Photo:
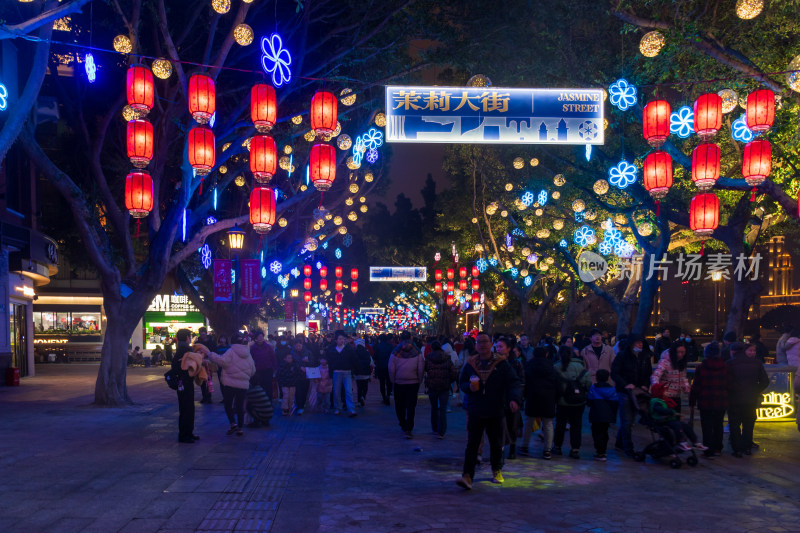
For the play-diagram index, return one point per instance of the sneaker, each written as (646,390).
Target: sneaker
(409,435)
(685,446)
(232,430)
(575,454)
(523,450)
(600,457)
(701,446)
(556,450)
(547,455)
(497,477)
(465,482)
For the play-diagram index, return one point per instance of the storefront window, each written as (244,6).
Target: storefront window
(80,322)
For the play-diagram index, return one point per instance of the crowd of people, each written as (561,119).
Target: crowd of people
(509,388)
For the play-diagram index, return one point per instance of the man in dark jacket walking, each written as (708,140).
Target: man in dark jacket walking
(382,353)
(747,378)
(630,370)
(490,384)
(266,363)
(342,361)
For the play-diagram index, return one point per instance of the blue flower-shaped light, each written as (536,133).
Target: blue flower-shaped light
(91,68)
(622,175)
(563,243)
(493,261)
(606,247)
(518,232)
(205,256)
(358,150)
(527,281)
(347,240)
(263,272)
(624,249)
(622,94)
(275,267)
(283,281)
(527,199)
(338,253)
(681,122)
(295,273)
(325,245)
(276,60)
(584,236)
(739,130)
(613,235)
(372,155)
(373,139)
(482,265)
(210,220)
(514,272)
(542,198)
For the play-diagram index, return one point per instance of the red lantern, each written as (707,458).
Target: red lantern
(354,287)
(322,166)
(338,272)
(658,174)
(708,115)
(655,122)
(338,298)
(338,285)
(263,107)
(704,214)
(140,142)
(451,286)
(202,98)
(323,272)
(353,273)
(760,111)
(476,297)
(475,284)
(451,273)
(139,193)
(307,271)
(262,209)
(705,165)
(462,285)
(450,299)
(263,158)
(437,287)
(475,271)
(307,296)
(202,154)
(462,272)
(756,162)
(140,89)
(437,274)
(307,283)
(323,284)
(323,113)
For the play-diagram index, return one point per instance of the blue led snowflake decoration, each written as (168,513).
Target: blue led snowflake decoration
(493,261)
(518,232)
(606,247)
(347,240)
(580,216)
(325,245)
(276,60)
(372,155)
(514,272)
(338,253)
(681,122)
(584,236)
(613,236)
(739,130)
(91,68)
(482,265)
(624,249)
(318,265)
(205,256)
(295,272)
(275,267)
(210,220)
(622,175)
(622,94)
(527,199)
(373,139)
(233,276)
(563,243)
(542,198)
(284,282)
(263,272)
(527,281)
(358,151)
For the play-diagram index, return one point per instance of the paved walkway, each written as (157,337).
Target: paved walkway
(66,466)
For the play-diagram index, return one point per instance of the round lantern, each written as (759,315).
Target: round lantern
(338,298)
(201,150)
(140,142)
(450,299)
(708,115)
(475,271)
(354,273)
(323,113)
(475,284)
(323,272)
(655,122)
(263,107)
(263,158)
(307,296)
(322,166)
(437,287)
(658,174)
(354,287)
(140,89)
(307,283)
(338,272)
(704,214)
(756,162)
(451,273)
(451,286)
(476,297)
(760,110)
(462,272)
(338,285)
(323,284)
(705,165)
(462,285)
(262,209)
(202,98)
(139,193)
(437,274)
(307,271)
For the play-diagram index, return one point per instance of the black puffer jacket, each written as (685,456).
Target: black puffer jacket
(629,368)
(439,371)
(747,378)
(541,388)
(495,393)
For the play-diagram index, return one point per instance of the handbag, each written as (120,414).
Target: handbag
(172,378)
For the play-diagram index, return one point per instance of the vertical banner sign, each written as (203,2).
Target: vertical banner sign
(250,281)
(288,311)
(301,312)
(223,288)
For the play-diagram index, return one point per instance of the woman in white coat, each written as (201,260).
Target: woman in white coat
(237,369)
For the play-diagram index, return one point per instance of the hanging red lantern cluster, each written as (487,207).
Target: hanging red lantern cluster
(338,285)
(322,166)
(462,285)
(140,89)
(704,214)
(307,296)
(339,298)
(437,287)
(760,112)
(475,284)
(323,113)
(462,272)
(323,284)
(140,142)
(476,297)
(451,273)
(338,272)
(307,271)
(658,174)
(705,165)
(262,209)
(354,274)
(756,162)
(307,283)
(263,158)
(202,98)
(202,153)
(708,115)
(437,274)
(450,299)
(655,122)
(354,287)
(139,193)
(475,271)
(323,272)
(263,107)
(451,286)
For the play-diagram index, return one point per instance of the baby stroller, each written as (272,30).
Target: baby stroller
(664,440)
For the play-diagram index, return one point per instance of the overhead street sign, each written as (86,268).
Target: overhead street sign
(398,274)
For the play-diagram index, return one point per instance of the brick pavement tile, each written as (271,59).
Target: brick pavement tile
(142,525)
(214,484)
(224,524)
(253,524)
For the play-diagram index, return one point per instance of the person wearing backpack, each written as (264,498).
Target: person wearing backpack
(439,373)
(574,390)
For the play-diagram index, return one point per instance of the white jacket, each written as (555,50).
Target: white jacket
(237,366)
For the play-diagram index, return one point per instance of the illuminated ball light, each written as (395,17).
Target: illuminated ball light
(262,209)
(705,165)
(600,187)
(543,233)
(578,205)
(263,107)
(323,113)
(344,142)
(707,115)
(263,158)
(656,122)
(282,222)
(140,142)
(311,244)
(793,76)
(363,208)
(221,6)
(518,163)
(760,111)
(323,166)
(658,174)
(139,193)
(239,181)
(749,9)
(285,163)
(704,214)
(128,113)
(201,150)
(243,35)
(756,162)
(559,180)
(380,120)
(729,100)
(534,162)
(123,44)
(347,97)
(556,195)
(651,44)
(162,68)
(558,224)
(479,80)
(140,90)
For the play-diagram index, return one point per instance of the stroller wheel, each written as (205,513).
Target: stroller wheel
(639,456)
(691,461)
(675,463)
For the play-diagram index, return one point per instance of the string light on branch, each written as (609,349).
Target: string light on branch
(221,6)
(651,43)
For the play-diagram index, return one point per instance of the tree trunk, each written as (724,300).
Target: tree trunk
(111,389)
(488,320)
(528,319)
(647,297)
(574,310)
(745,293)
(624,313)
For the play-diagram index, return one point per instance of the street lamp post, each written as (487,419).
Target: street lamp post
(235,243)
(716,277)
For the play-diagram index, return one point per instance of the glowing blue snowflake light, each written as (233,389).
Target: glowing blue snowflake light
(91,68)
(318,265)
(373,139)
(518,232)
(527,199)
(338,253)
(276,60)
(347,240)
(514,272)
(542,198)
(624,249)
(295,272)
(482,265)
(584,236)
(205,256)
(263,272)
(493,261)
(283,281)
(681,122)
(739,130)
(275,267)
(563,243)
(233,276)
(580,216)
(372,155)
(622,94)
(606,247)
(622,175)
(358,150)
(325,245)
(210,220)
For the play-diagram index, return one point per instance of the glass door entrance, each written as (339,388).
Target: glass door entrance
(19,338)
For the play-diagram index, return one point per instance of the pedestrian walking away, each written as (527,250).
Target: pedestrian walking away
(406,369)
